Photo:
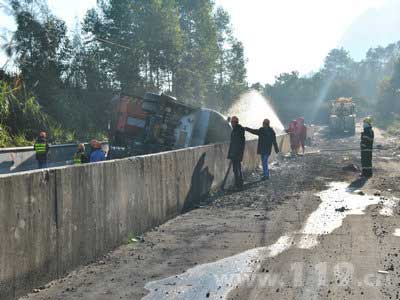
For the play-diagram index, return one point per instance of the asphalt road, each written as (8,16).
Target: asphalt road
(314,231)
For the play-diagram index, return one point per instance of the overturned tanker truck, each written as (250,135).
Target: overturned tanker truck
(158,122)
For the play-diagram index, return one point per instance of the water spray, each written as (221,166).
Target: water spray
(252,108)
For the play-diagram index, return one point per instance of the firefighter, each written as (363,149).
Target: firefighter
(301,133)
(42,149)
(293,139)
(367,144)
(80,156)
(236,150)
(266,139)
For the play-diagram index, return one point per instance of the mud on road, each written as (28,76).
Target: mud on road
(301,235)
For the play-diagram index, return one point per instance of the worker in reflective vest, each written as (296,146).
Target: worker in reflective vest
(80,156)
(41,149)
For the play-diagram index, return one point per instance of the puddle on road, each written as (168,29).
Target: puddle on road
(336,203)
(212,280)
(397,232)
(387,158)
(216,280)
(388,207)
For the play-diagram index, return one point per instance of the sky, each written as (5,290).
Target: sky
(278,35)
(285,35)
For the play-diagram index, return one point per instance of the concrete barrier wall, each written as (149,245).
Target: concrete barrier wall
(19,159)
(54,220)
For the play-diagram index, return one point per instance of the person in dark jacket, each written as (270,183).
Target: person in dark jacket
(367,144)
(41,147)
(80,156)
(266,139)
(236,150)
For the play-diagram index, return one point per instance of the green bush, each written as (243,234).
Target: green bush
(21,141)
(5,139)
(21,116)
(391,125)
(60,135)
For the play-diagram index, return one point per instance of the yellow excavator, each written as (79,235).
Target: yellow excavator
(342,117)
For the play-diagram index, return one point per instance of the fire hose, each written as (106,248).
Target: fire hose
(226,176)
(355,149)
(222,188)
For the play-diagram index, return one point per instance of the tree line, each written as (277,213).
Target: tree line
(65,77)
(374,84)
(185,48)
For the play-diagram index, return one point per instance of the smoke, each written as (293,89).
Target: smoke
(252,108)
(322,96)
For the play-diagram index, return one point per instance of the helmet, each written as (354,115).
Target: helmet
(300,120)
(368,120)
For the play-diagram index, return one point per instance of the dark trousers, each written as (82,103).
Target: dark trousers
(366,162)
(42,164)
(237,171)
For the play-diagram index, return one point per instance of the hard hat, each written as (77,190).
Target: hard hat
(368,120)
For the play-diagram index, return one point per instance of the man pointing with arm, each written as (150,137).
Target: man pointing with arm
(266,139)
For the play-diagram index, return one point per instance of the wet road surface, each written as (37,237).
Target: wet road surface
(313,231)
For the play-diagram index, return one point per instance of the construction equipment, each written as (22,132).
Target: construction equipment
(158,122)
(342,118)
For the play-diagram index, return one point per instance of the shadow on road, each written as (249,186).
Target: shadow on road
(358,183)
(233,190)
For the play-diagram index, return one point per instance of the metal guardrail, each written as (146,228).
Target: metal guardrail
(20,159)
(30,148)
